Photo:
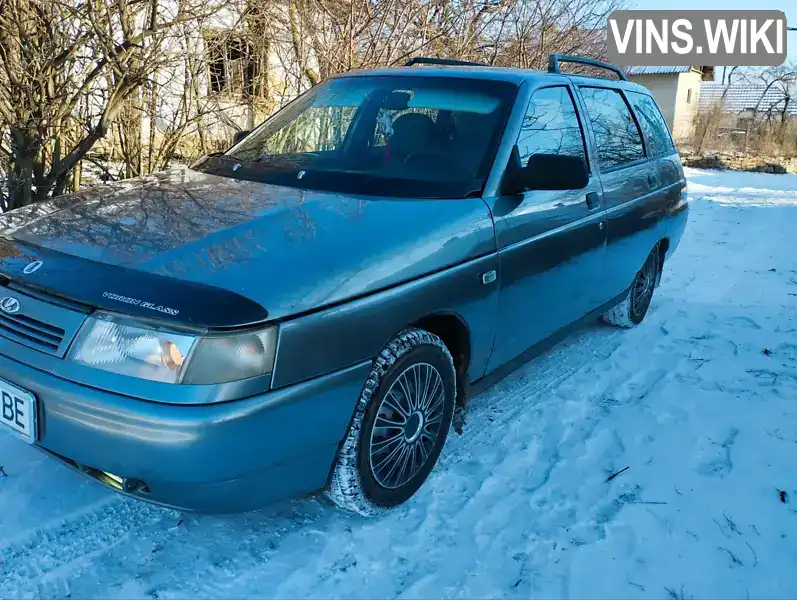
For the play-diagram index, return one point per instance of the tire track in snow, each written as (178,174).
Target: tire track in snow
(222,551)
(547,371)
(59,549)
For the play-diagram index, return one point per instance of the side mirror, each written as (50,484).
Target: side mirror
(239,135)
(555,172)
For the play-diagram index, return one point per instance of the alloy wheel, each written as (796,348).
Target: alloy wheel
(407,425)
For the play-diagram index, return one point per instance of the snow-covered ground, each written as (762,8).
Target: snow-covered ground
(699,404)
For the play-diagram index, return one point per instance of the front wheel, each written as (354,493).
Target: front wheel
(399,427)
(634,307)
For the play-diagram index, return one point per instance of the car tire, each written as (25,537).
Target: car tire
(399,426)
(632,310)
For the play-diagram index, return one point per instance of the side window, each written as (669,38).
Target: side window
(616,134)
(657,134)
(551,126)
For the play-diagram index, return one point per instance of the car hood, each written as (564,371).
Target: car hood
(206,250)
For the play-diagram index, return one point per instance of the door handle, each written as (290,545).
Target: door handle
(651,180)
(593,200)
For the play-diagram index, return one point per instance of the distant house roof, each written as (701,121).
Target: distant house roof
(657,70)
(707,73)
(742,97)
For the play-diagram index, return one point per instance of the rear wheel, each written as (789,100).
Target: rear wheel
(632,310)
(399,427)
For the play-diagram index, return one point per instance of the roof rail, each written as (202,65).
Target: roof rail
(555,59)
(424,60)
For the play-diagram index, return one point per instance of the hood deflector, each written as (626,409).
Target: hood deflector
(126,290)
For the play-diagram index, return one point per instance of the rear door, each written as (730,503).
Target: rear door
(660,148)
(550,243)
(631,187)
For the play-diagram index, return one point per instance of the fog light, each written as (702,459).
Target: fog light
(131,485)
(111,479)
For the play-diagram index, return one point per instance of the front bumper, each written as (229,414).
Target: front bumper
(216,458)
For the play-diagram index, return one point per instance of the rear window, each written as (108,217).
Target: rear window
(657,134)
(617,136)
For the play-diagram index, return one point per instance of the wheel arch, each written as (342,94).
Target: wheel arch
(346,486)
(664,247)
(456,335)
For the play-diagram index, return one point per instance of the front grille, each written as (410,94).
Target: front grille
(30,331)
(36,321)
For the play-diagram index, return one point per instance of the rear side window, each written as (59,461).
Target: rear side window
(616,133)
(551,126)
(657,134)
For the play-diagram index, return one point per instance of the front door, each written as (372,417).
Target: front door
(550,243)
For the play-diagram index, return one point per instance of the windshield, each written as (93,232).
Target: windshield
(394,136)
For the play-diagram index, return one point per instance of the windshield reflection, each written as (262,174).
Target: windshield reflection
(392,136)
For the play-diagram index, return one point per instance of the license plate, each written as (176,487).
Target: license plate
(18,410)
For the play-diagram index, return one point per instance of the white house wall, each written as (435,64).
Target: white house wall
(686,104)
(664,89)
(223,113)
(672,94)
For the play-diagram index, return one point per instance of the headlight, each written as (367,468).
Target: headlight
(233,357)
(117,345)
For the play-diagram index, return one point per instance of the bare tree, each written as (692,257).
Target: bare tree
(148,80)
(331,36)
(68,70)
(763,124)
